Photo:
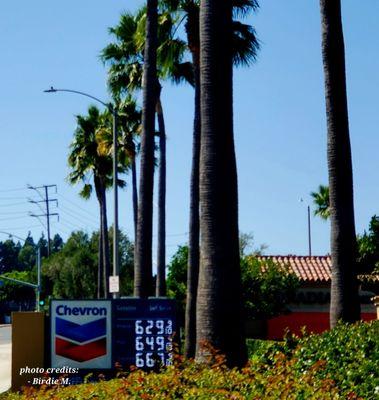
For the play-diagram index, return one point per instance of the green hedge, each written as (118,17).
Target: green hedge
(340,364)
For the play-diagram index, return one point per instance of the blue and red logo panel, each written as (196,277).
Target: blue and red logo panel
(81,333)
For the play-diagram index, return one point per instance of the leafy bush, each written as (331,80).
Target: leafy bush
(340,364)
(266,287)
(349,353)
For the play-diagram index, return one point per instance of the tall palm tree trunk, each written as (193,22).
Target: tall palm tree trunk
(161,249)
(143,254)
(105,239)
(344,304)
(135,196)
(219,306)
(100,265)
(100,268)
(194,221)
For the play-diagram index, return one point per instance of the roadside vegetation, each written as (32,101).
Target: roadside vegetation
(340,364)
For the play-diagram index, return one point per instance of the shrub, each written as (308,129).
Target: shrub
(340,364)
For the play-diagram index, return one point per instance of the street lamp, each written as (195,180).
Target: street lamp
(112,110)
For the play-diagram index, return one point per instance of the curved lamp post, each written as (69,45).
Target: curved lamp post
(113,111)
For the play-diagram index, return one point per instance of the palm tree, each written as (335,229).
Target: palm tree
(219,306)
(321,201)
(245,47)
(130,123)
(143,259)
(344,304)
(127,58)
(86,161)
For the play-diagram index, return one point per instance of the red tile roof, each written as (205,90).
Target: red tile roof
(306,268)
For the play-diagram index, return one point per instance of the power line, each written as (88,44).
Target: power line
(76,205)
(21,227)
(14,212)
(70,225)
(69,210)
(12,204)
(78,219)
(12,218)
(12,190)
(12,198)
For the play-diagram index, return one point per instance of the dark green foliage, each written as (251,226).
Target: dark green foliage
(57,243)
(15,292)
(321,202)
(266,288)
(9,251)
(73,270)
(177,276)
(341,364)
(350,354)
(126,262)
(368,248)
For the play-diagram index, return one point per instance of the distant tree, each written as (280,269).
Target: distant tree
(368,248)
(73,270)
(42,245)
(126,262)
(27,257)
(266,287)
(57,243)
(9,252)
(177,277)
(15,292)
(247,245)
(321,202)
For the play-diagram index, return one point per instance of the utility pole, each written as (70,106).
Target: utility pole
(309,232)
(46,214)
(309,228)
(38,290)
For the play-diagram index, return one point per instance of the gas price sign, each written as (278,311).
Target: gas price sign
(143,331)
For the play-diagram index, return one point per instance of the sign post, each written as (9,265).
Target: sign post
(114,284)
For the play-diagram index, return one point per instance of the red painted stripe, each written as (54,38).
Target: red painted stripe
(316,322)
(80,353)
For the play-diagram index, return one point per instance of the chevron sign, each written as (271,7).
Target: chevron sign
(81,333)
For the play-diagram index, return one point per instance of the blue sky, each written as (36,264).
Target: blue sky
(280,127)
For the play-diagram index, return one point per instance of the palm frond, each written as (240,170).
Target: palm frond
(241,8)
(245,44)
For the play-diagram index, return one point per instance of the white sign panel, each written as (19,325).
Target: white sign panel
(81,333)
(114,284)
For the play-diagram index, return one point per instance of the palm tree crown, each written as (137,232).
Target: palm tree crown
(321,201)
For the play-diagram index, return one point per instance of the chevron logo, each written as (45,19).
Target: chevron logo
(80,353)
(80,333)
(76,342)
